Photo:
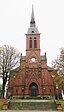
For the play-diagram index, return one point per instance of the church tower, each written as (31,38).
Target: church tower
(32,40)
(33,77)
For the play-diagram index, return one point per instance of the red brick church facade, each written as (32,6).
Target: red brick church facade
(33,77)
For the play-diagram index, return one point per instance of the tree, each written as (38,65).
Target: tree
(9,59)
(58,64)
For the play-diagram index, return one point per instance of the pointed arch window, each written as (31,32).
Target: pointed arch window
(35,42)
(30,43)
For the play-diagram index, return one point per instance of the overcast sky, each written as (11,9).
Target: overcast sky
(15,18)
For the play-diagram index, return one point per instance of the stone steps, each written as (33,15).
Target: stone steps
(32,105)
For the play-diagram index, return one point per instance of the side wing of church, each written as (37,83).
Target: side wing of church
(33,77)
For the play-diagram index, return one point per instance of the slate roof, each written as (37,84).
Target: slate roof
(15,70)
(43,58)
(24,58)
(32,30)
(50,68)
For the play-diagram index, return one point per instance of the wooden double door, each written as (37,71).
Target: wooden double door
(33,89)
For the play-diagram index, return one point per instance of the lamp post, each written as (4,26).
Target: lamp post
(44,89)
(63,84)
(63,81)
(23,91)
(57,91)
(63,87)
(63,90)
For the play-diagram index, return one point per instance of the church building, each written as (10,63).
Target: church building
(33,78)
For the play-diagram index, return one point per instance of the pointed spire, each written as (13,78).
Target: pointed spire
(32,16)
(32,22)
(32,29)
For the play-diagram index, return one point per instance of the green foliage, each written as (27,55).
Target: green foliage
(62,104)
(1,105)
(58,64)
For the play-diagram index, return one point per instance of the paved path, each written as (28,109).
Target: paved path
(25,111)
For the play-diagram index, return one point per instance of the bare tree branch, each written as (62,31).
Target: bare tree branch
(9,59)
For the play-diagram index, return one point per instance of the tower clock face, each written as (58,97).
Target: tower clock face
(33,60)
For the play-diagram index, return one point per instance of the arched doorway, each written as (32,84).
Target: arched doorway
(33,89)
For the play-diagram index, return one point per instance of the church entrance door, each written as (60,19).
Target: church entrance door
(33,89)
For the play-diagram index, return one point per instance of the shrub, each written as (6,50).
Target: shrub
(62,104)
(1,105)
